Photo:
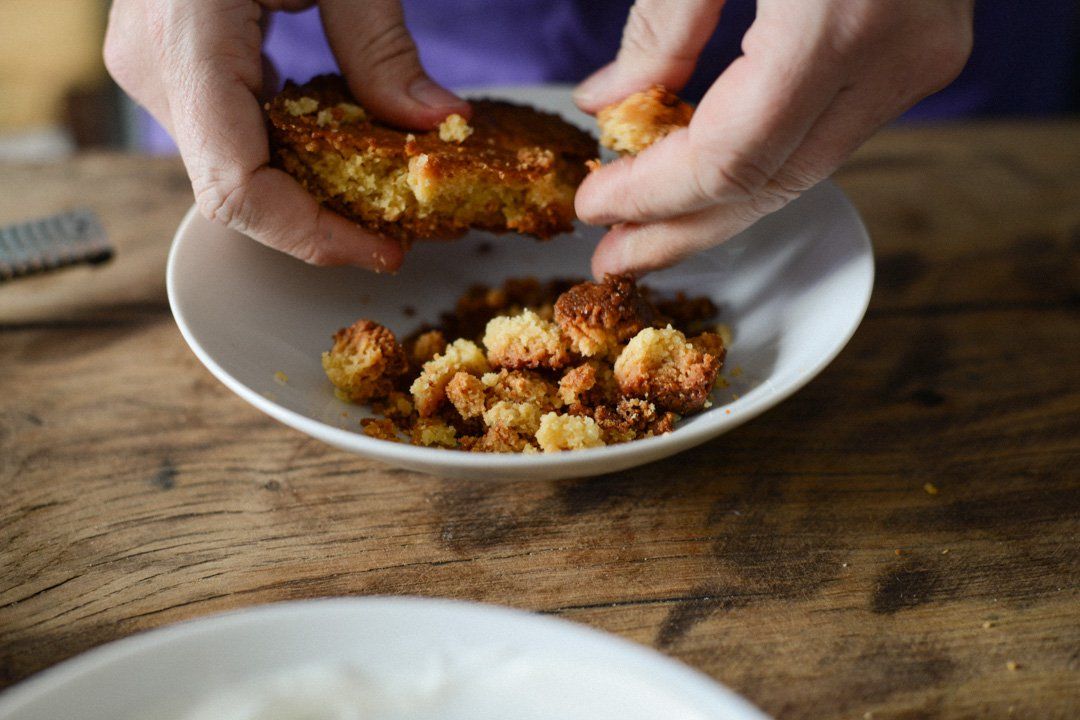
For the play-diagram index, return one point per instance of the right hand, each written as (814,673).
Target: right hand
(816,79)
(198,69)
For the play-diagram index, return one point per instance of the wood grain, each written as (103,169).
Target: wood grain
(798,559)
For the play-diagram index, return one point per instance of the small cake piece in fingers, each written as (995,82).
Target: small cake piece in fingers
(641,119)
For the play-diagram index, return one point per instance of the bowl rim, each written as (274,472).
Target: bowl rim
(265,617)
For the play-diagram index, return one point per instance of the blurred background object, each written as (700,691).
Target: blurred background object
(70,238)
(56,95)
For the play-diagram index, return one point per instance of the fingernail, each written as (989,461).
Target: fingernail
(592,86)
(427,92)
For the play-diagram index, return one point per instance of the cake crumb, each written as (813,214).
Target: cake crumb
(724,331)
(987,625)
(659,365)
(454,129)
(930,488)
(567,432)
(281,377)
(429,389)
(433,432)
(525,341)
(365,362)
(301,106)
(1012,666)
(380,429)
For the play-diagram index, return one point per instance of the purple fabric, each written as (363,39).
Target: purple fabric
(1023,62)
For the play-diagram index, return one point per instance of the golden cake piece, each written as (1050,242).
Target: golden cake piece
(568,432)
(433,432)
(512,399)
(597,318)
(522,386)
(659,365)
(590,384)
(466,394)
(380,429)
(508,168)
(364,362)
(425,346)
(711,343)
(641,119)
(521,416)
(525,341)
(429,388)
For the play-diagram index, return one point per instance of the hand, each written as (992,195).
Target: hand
(197,67)
(816,80)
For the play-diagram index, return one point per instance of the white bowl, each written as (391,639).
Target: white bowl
(395,658)
(793,288)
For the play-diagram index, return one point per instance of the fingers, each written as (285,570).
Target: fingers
(637,249)
(124,58)
(378,58)
(660,44)
(214,75)
(815,81)
(747,125)
(843,127)
(271,207)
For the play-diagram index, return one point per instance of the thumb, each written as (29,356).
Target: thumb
(660,45)
(378,57)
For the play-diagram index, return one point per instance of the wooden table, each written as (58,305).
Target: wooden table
(898,540)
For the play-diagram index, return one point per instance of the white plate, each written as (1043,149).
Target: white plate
(793,288)
(415,658)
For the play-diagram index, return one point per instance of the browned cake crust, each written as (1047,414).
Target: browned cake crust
(641,119)
(598,318)
(511,168)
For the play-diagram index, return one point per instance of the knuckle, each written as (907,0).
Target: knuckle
(643,36)
(391,46)
(945,57)
(796,178)
(640,34)
(117,52)
(738,175)
(223,200)
(931,42)
(310,253)
(637,206)
(771,198)
(861,27)
(113,53)
(305,246)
